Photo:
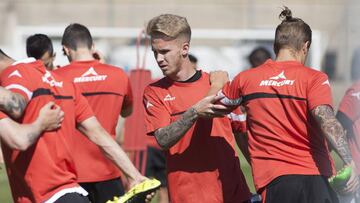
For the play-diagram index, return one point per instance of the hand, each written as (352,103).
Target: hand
(218,78)
(98,56)
(352,186)
(207,107)
(50,117)
(138,180)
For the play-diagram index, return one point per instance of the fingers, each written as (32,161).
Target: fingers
(49,105)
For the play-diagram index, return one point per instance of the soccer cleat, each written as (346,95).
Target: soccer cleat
(340,179)
(138,193)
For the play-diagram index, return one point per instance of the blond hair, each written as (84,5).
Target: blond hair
(170,25)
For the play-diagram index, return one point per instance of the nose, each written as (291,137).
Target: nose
(159,58)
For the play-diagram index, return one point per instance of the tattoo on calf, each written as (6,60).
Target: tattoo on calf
(333,131)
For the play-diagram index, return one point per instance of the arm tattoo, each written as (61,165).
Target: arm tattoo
(171,134)
(14,105)
(333,131)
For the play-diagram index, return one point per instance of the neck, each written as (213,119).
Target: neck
(81,54)
(6,62)
(290,55)
(186,71)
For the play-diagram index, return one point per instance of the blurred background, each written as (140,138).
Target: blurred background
(224,33)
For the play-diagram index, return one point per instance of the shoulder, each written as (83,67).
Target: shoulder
(157,86)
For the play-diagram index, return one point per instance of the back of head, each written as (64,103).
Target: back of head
(172,26)
(292,32)
(77,36)
(37,45)
(258,56)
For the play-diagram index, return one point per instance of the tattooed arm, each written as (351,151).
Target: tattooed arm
(21,136)
(11,103)
(168,136)
(333,131)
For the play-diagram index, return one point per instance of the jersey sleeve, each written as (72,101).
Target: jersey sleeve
(156,115)
(2,115)
(350,104)
(16,79)
(238,120)
(319,91)
(231,93)
(83,110)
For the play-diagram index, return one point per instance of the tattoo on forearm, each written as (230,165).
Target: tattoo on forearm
(171,134)
(333,131)
(14,105)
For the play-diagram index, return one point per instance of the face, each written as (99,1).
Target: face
(169,54)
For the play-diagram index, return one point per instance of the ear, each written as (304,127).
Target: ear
(306,47)
(66,50)
(185,49)
(93,47)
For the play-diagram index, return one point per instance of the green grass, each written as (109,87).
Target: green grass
(5,195)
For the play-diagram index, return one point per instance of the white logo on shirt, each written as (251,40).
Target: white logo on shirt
(15,73)
(48,78)
(169,98)
(148,104)
(90,76)
(356,94)
(326,83)
(278,80)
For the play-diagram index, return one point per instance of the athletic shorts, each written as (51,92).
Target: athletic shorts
(156,165)
(72,198)
(299,189)
(103,191)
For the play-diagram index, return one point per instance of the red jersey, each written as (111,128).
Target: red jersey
(350,106)
(2,115)
(107,90)
(283,136)
(202,166)
(46,167)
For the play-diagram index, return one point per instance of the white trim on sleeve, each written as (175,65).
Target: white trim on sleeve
(22,88)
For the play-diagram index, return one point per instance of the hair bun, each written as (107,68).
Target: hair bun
(286,14)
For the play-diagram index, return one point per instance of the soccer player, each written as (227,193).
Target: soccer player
(290,119)
(348,115)
(258,56)
(108,91)
(202,165)
(40,47)
(45,172)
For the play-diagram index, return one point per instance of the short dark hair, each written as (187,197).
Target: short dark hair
(37,45)
(291,33)
(192,58)
(258,56)
(77,35)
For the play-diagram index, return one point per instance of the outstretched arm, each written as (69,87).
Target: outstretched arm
(12,103)
(22,136)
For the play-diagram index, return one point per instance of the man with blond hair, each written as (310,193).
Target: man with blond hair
(202,164)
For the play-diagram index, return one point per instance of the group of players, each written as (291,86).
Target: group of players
(65,151)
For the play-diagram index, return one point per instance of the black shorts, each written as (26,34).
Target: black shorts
(73,198)
(100,192)
(300,189)
(156,165)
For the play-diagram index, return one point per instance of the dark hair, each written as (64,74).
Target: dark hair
(258,56)
(192,58)
(37,45)
(77,35)
(291,33)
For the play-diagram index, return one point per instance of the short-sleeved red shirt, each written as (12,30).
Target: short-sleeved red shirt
(107,89)
(350,106)
(283,136)
(2,115)
(202,166)
(46,167)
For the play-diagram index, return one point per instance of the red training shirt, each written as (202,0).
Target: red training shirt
(283,136)
(46,167)
(202,166)
(107,89)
